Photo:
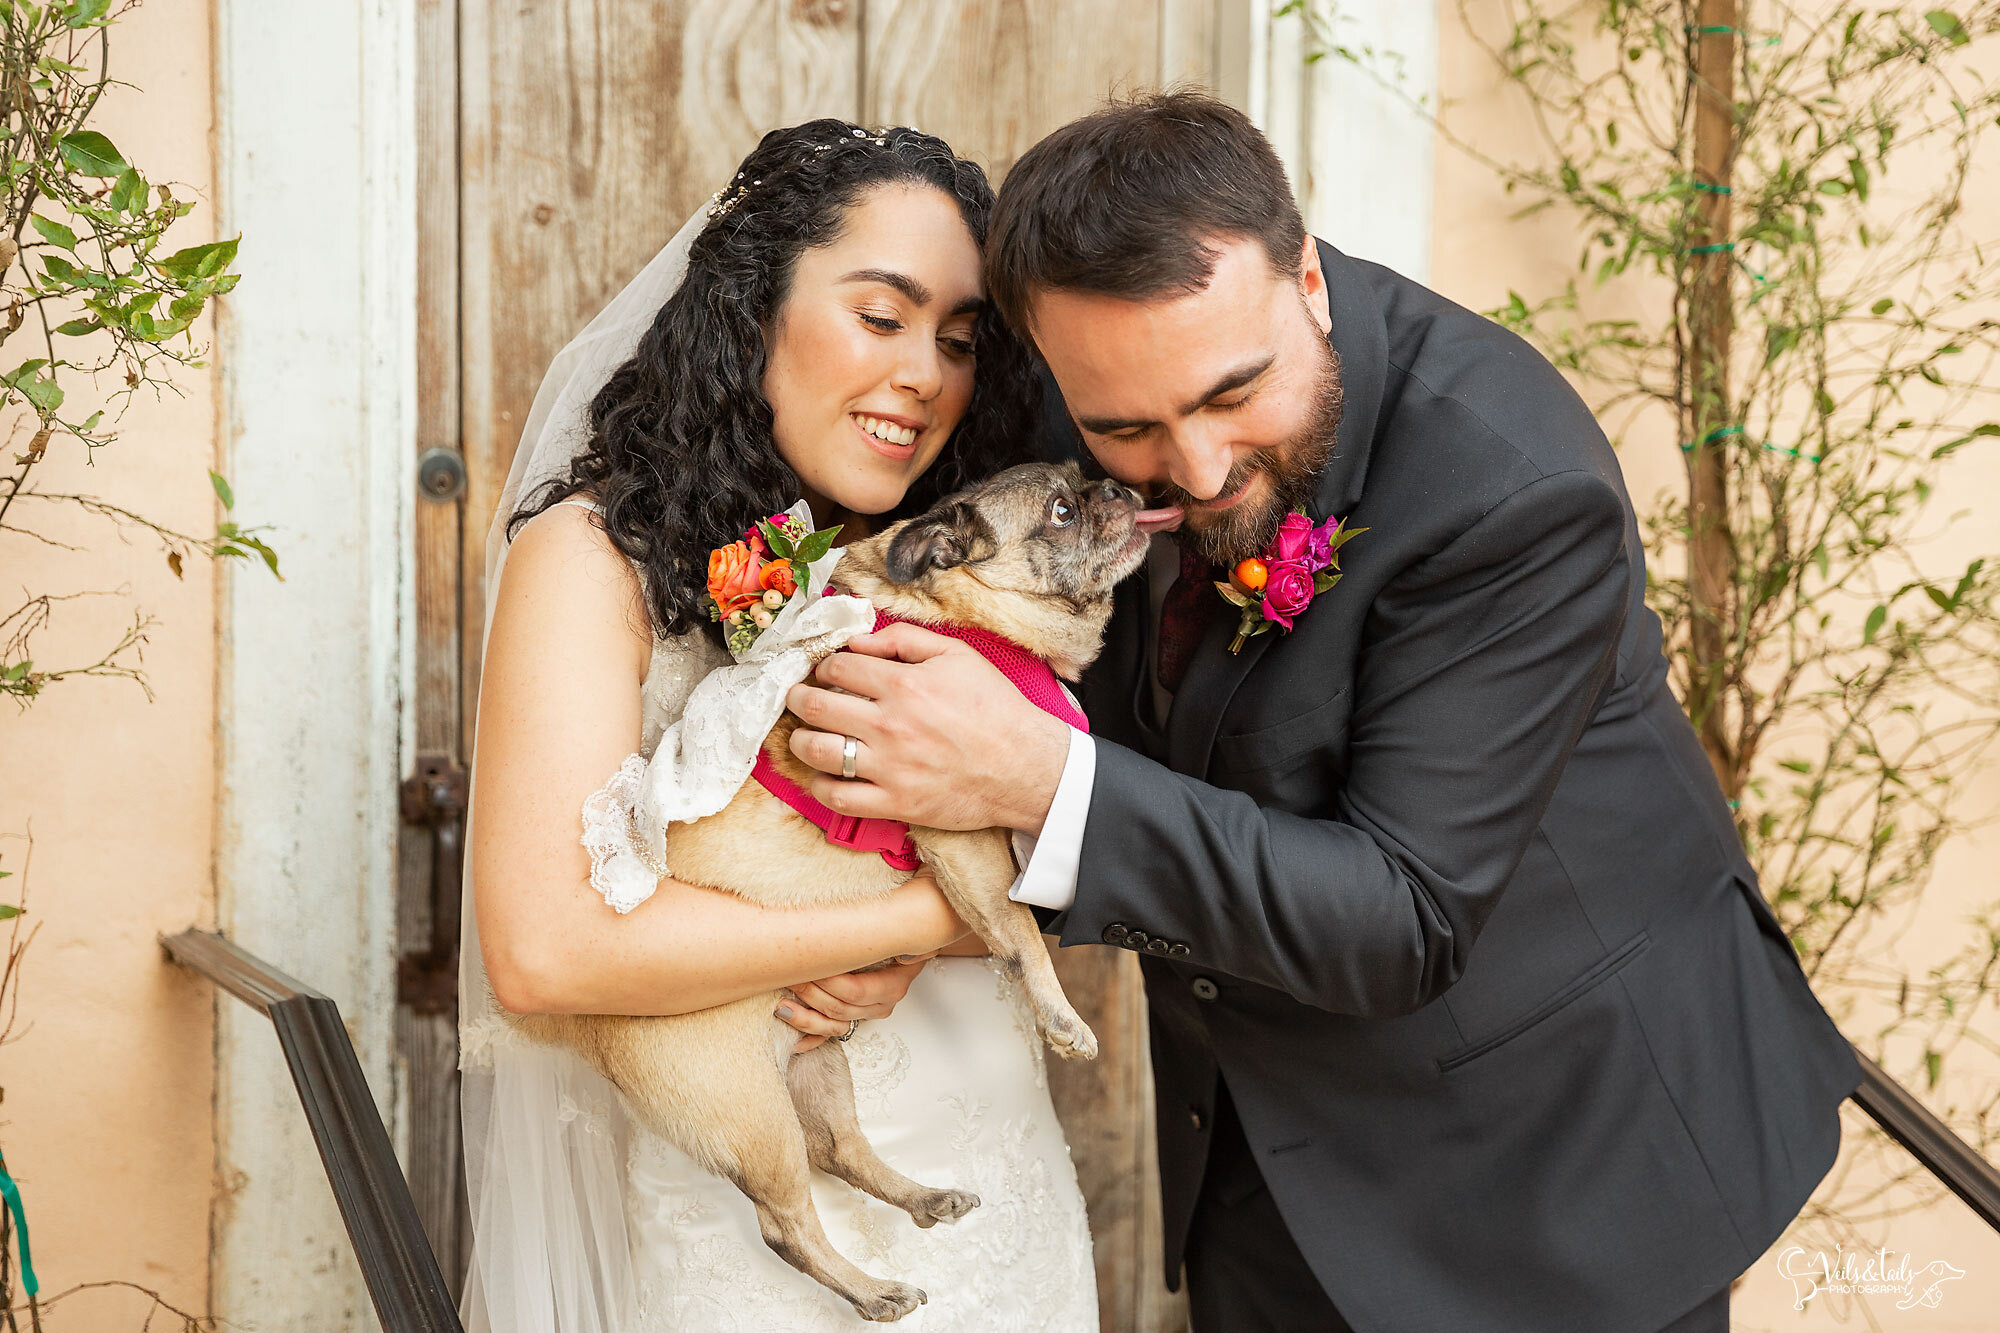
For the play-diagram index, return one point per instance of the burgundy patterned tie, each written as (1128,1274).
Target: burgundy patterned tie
(1184,615)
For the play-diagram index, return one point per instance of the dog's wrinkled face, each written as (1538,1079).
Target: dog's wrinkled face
(1032,553)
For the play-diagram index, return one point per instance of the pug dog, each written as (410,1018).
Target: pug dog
(1031,555)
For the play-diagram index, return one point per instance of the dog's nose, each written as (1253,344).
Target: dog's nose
(1111,492)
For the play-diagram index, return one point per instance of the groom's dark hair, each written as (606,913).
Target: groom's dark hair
(1119,203)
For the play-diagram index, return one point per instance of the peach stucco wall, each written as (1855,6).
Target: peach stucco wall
(1480,253)
(107,1120)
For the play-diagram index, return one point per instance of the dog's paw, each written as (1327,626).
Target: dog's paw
(886,1302)
(1071,1038)
(942,1206)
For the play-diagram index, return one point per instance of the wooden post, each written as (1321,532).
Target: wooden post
(1705,403)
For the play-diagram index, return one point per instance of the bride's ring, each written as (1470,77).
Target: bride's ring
(848,748)
(852,1024)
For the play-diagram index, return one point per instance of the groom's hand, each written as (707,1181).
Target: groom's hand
(943,739)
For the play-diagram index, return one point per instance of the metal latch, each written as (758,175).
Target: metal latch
(434,798)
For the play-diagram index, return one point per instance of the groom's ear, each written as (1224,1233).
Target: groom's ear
(949,535)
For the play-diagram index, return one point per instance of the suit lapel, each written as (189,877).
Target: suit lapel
(1214,674)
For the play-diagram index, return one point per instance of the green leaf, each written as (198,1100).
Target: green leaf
(129,194)
(1882,307)
(8,910)
(1933,1066)
(1796,765)
(53,232)
(1229,593)
(1938,595)
(91,154)
(775,538)
(1779,339)
(1988,428)
(814,545)
(199,261)
(1946,25)
(1873,625)
(76,328)
(1323,581)
(84,13)
(270,556)
(222,491)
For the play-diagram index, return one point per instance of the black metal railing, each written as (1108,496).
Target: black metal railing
(1932,1142)
(409,1292)
(396,1260)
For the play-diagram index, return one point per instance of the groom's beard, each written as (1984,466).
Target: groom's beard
(1226,536)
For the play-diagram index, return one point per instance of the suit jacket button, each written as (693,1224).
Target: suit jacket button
(1137,939)
(1196,1118)
(1204,989)
(1158,946)
(1178,950)
(1114,933)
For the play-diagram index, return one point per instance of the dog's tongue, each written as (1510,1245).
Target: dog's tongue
(1160,520)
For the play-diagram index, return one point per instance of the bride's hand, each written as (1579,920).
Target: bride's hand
(826,1008)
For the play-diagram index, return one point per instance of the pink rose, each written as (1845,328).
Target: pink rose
(1320,548)
(1294,534)
(1287,592)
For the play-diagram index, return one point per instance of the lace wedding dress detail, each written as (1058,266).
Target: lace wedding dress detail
(951,1094)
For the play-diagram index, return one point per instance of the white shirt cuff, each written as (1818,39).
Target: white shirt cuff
(1048,875)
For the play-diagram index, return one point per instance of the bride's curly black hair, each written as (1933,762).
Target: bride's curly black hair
(681,458)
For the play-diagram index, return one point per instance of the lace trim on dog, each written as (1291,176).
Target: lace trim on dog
(621,869)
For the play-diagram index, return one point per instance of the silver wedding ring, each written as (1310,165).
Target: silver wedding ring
(848,749)
(852,1024)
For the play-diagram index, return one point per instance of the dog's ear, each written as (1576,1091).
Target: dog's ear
(951,534)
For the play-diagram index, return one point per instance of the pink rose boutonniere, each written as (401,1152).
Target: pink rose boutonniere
(1301,562)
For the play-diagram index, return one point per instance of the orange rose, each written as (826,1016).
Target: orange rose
(732,576)
(778,574)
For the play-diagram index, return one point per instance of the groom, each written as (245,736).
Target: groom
(1466,1010)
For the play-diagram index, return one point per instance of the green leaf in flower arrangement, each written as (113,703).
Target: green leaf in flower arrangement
(53,232)
(775,538)
(814,545)
(1229,593)
(222,491)
(91,154)
(1946,25)
(1324,580)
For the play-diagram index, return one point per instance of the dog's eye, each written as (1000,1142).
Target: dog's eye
(1060,512)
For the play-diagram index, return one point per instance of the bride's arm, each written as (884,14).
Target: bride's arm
(559,710)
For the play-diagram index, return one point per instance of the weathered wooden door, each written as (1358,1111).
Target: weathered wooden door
(563,142)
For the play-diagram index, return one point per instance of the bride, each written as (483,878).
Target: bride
(817,332)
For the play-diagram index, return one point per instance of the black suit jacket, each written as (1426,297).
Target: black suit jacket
(1443,885)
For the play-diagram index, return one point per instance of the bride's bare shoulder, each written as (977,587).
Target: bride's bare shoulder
(564,574)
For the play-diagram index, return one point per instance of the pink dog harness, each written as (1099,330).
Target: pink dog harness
(890,838)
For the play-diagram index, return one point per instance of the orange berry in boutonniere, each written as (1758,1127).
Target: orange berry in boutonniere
(1249,575)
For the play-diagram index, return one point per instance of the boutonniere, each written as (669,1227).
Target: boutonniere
(751,581)
(1301,562)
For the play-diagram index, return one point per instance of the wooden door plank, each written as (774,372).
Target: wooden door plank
(427,1043)
(992,77)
